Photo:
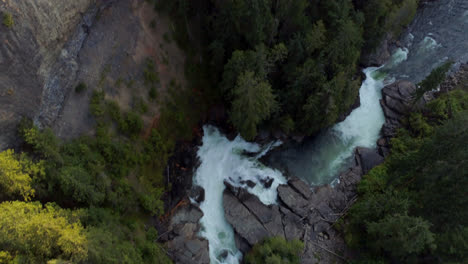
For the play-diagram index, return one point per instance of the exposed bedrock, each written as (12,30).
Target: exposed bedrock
(301,213)
(37,56)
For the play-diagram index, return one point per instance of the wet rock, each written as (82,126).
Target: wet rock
(348,182)
(267,182)
(300,186)
(380,55)
(382,142)
(249,183)
(242,220)
(241,243)
(293,200)
(182,240)
(223,255)
(293,226)
(197,193)
(188,213)
(253,210)
(368,158)
(397,100)
(189,251)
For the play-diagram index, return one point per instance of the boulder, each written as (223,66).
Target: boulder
(197,193)
(183,242)
(396,102)
(368,158)
(300,186)
(380,55)
(256,216)
(242,220)
(267,182)
(293,226)
(293,200)
(185,251)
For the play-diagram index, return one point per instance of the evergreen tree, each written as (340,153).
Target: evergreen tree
(253,102)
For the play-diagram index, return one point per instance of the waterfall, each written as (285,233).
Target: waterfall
(222,160)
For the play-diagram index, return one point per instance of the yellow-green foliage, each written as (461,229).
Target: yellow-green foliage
(36,234)
(15,175)
(8,20)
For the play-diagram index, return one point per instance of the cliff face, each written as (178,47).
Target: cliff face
(29,52)
(54,45)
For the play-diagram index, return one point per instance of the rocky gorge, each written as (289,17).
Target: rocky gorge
(310,213)
(307,213)
(83,49)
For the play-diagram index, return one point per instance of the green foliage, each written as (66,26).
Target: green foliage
(401,14)
(8,20)
(401,235)
(95,106)
(37,234)
(253,102)
(112,239)
(433,80)
(275,250)
(131,124)
(418,125)
(307,52)
(415,203)
(151,78)
(385,16)
(16,174)
(81,87)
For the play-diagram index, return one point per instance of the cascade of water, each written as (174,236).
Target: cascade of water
(222,160)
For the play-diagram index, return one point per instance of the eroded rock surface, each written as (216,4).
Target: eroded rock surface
(396,100)
(302,212)
(183,243)
(54,45)
(35,55)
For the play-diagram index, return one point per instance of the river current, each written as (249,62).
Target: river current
(438,33)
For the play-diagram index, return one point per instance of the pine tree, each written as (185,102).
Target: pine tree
(253,102)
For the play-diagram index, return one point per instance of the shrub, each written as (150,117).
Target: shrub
(275,250)
(131,124)
(81,87)
(95,105)
(41,233)
(153,94)
(8,20)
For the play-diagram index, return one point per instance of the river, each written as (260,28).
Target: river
(438,33)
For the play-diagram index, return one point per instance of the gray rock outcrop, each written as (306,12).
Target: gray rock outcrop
(396,101)
(183,243)
(36,55)
(301,213)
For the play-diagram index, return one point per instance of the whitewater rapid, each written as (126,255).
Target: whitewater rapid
(318,161)
(222,160)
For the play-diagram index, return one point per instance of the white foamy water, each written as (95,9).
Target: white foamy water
(321,159)
(222,160)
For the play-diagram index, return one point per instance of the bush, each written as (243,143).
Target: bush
(81,87)
(275,250)
(131,124)
(8,20)
(39,234)
(433,80)
(95,106)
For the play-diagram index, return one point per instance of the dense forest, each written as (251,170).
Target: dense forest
(298,58)
(279,65)
(413,207)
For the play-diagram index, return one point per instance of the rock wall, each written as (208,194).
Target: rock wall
(54,45)
(301,213)
(28,55)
